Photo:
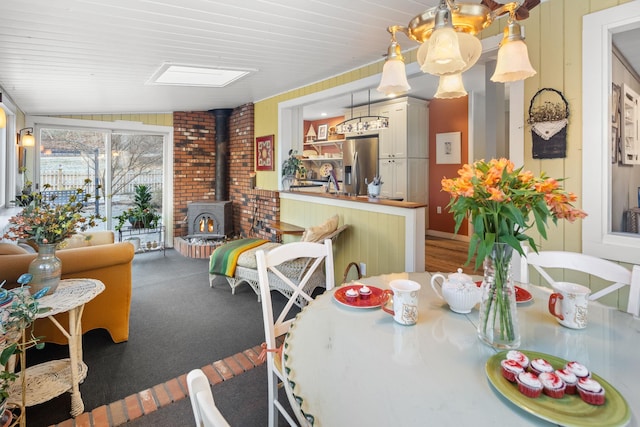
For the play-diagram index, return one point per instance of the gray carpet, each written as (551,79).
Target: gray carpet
(178,323)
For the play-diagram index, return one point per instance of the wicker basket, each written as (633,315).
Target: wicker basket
(549,136)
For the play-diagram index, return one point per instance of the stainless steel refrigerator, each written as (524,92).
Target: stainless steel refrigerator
(359,161)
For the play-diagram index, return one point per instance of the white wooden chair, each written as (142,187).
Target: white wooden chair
(270,266)
(204,408)
(594,266)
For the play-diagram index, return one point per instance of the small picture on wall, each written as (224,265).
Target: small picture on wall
(264,153)
(448,148)
(322,132)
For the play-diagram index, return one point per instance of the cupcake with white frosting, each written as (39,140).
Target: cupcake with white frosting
(510,369)
(552,385)
(519,357)
(569,378)
(538,366)
(365,292)
(351,294)
(529,384)
(591,391)
(578,369)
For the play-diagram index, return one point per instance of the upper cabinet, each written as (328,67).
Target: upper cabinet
(630,137)
(407,135)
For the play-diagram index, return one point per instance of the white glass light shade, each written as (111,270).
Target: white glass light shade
(394,78)
(513,62)
(470,50)
(443,55)
(27,140)
(450,86)
(3,119)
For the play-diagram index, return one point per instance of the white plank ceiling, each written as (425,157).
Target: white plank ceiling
(95,56)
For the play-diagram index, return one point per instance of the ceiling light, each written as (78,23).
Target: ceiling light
(513,56)
(394,75)
(450,86)
(26,140)
(442,54)
(3,118)
(188,75)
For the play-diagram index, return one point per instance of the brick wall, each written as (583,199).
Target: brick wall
(194,171)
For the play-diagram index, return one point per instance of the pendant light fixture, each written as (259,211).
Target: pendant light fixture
(394,75)
(450,86)
(3,115)
(513,56)
(26,140)
(450,46)
(443,56)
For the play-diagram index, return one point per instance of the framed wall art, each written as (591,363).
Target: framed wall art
(322,132)
(264,153)
(448,150)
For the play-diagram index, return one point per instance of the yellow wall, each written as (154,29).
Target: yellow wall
(159,119)
(554,39)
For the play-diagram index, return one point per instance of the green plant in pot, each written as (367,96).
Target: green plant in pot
(290,167)
(18,310)
(142,214)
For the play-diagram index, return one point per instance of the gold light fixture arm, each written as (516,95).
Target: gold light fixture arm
(509,8)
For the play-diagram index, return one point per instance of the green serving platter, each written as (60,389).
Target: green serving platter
(570,410)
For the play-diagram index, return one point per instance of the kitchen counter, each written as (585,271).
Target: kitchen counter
(359,199)
(386,235)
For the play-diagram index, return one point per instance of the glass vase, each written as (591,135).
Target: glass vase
(498,325)
(46,269)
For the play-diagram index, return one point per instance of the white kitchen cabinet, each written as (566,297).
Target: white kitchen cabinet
(630,122)
(405,178)
(408,132)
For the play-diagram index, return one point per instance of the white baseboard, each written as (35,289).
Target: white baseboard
(444,235)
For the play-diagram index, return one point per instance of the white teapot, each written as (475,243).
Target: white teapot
(458,290)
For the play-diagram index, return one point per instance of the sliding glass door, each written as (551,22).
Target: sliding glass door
(112,163)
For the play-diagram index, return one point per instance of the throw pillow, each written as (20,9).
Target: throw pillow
(315,234)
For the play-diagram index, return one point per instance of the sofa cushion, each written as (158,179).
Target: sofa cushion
(11,249)
(248,258)
(93,238)
(316,233)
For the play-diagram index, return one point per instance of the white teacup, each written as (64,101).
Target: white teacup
(405,301)
(569,304)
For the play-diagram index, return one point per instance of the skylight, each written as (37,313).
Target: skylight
(188,75)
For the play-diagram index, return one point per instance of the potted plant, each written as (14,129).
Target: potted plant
(142,214)
(46,223)
(290,167)
(18,310)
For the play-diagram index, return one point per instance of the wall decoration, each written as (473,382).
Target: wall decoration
(322,132)
(549,122)
(615,122)
(448,148)
(264,153)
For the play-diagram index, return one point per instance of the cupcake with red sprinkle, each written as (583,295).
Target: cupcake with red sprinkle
(510,369)
(538,366)
(529,384)
(591,391)
(365,292)
(552,385)
(351,294)
(569,378)
(578,369)
(519,357)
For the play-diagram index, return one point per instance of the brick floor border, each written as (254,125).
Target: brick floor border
(149,400)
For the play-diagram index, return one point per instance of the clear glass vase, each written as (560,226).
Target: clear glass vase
(46,269)
(498,325)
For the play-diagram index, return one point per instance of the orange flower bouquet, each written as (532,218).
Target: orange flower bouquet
(503,203)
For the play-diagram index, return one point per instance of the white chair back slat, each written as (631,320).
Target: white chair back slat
(593,266)
(205,411)
(319,255)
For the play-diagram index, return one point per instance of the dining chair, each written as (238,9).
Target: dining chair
(205,411)
(270,268)
(594,266)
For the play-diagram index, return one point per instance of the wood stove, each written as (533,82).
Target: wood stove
(210,220)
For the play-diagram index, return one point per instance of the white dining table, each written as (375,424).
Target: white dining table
(357,367)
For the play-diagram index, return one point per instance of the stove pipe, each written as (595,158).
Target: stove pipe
(222,152)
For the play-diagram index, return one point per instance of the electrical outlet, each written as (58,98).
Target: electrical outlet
(439,209)
(363,269)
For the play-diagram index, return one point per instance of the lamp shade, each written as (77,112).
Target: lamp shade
(3,118)
(443,56)
(450,86)
(27,140)
(394,78)
(513,63)
(470,50)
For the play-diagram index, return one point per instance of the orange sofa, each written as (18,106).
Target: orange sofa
(109,263)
